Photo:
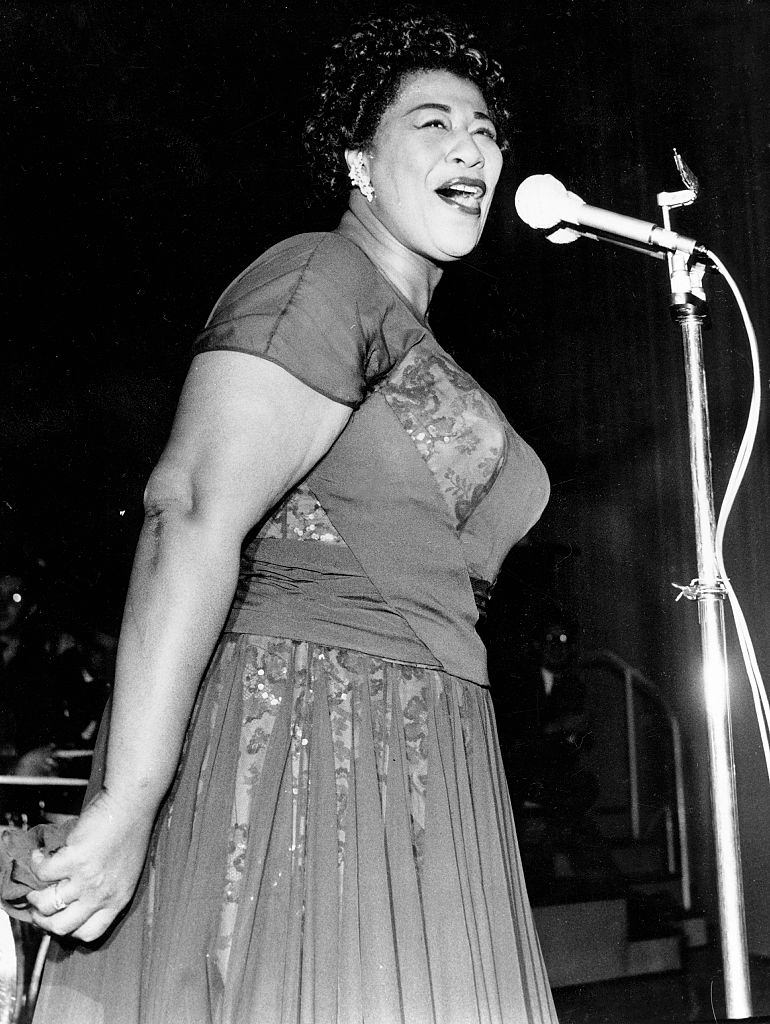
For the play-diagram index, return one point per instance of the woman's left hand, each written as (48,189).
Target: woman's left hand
(93,877)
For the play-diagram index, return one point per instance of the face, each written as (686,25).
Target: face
(434,165)
(13,603)
(557,646)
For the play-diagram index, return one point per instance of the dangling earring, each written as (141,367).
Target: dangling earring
(360,179)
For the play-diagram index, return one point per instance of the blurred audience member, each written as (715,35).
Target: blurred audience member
(23,669)
(54,682)
(80,684)
(547,725)
(546,732)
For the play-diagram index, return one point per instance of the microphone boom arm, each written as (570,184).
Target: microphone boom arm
(645,250)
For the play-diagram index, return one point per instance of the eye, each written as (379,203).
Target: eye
(434,122)
(487,130)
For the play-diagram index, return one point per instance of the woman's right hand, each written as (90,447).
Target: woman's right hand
(93,877)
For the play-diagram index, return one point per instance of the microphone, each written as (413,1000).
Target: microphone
(544,203)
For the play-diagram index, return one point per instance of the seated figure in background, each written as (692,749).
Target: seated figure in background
(552,788)
(549,726)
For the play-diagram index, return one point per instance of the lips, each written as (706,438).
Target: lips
(465,194)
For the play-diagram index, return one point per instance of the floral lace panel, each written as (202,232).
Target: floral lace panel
(453,424)
(300,517)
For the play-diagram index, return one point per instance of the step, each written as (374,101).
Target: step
(588,942)
(583,942)
(694,931)
(654,956)
(640,859)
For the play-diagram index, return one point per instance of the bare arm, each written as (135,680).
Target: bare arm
(244,433)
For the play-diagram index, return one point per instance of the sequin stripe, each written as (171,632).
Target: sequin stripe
(333,670)
(418,687)
(267,678)
(381,702)
(224,651)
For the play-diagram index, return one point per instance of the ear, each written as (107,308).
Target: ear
(355,156)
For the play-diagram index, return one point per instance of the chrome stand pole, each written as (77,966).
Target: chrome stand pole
(689,311)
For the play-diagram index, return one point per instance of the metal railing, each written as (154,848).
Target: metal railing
(674,817)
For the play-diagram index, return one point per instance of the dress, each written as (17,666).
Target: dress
(338,845)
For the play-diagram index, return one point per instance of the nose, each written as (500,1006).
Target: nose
(465,150)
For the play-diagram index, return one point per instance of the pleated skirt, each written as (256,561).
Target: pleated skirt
(338,848)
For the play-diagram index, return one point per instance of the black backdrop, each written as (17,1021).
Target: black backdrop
(150,150)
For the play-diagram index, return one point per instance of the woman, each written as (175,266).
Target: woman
(337,842)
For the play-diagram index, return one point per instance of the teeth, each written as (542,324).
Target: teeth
(461,191)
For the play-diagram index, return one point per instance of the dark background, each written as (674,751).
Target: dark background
(150,150)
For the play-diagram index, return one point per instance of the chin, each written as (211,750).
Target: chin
(460,243)
(452,257)
(456,250)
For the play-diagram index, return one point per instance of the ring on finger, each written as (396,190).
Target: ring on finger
(59,903)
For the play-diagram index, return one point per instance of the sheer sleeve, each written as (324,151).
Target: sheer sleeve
(297,306)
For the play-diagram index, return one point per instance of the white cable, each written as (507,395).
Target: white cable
(758,692)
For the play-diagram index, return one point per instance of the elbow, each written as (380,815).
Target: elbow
(178,498)
(180,531)
(169,494)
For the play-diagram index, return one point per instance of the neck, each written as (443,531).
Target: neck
(413,275)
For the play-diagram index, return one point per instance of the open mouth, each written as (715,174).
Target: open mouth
(463,193)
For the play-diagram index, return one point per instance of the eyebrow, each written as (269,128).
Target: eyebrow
(447,110)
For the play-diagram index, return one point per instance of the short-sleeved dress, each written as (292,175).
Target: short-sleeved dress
(338,845)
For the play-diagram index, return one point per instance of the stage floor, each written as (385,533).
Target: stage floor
(676,998)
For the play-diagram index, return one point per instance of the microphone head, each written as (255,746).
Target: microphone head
(541,201)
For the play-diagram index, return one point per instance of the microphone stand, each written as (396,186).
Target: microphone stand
(689,311)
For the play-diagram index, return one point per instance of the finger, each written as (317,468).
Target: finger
(65,922)
(95,926)
(77,921)
(53,899)
(52,866)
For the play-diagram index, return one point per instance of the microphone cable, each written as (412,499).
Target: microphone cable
(758,691)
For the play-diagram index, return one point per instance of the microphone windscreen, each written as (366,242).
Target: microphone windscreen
(540,201)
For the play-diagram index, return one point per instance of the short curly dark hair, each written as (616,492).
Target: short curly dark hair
(365,70)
